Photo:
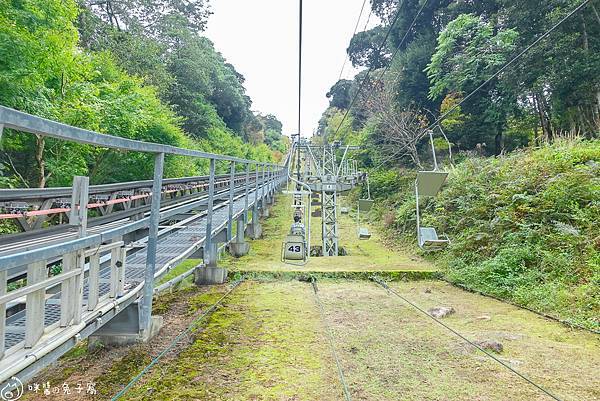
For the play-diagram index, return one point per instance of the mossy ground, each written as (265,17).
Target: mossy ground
(390,351)
(267,341)
(363,255)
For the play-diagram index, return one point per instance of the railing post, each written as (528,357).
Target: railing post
(146,311)
(117,271)
(3,284)
(67,290)
(247,191)
(270,180)
(209,258)
(231,192)
(78,216)
(35,303)
(263,184)
(93,281)
(255,209)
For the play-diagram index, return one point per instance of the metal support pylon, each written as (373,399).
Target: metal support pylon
(329,199)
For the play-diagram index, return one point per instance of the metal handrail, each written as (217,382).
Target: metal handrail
(62,192)
(21,121)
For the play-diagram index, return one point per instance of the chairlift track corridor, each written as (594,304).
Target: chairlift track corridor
(274,338)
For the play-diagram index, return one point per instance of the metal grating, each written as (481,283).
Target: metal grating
(168,247)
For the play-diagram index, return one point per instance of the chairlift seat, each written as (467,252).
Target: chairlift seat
(365,204)
(429,183)
(429,240)
(294,247)
(363,233)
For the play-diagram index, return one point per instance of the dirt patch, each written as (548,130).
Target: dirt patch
(390,351)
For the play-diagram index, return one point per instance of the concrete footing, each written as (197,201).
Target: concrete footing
(265,212)
(204,275)
(124,329)
(254,230)
(239,249)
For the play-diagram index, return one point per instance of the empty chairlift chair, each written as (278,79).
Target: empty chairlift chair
(429,183)
(364,205)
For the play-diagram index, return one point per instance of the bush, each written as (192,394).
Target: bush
(524,227)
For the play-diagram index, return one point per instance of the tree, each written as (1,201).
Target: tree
(154,17)
(397,130)
(364,49)
(469,51)
(340,94)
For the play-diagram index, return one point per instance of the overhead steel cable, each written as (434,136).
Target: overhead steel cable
(362,8)
(299,68)
(366,77)
(490,79)
(368,20)
(414,21)
(438,321)
(300,10)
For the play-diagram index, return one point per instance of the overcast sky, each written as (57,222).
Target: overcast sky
(260,38)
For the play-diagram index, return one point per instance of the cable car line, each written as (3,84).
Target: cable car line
(387,67)
(366,77)
(355,29)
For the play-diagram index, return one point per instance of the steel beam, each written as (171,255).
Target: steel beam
(208,246)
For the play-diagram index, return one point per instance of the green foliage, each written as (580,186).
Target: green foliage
(468,52)
(523,227)
(340,94)
(105,87)
(364,47)
(448,49)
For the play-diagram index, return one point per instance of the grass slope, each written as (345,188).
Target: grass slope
(363,255)
(390,351)
(524,227)
(252,348)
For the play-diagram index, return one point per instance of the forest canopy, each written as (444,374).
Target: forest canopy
(438,52)
(136,69)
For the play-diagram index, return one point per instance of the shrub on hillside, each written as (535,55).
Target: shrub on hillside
(524,227)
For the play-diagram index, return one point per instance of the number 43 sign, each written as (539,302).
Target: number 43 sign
(294,248)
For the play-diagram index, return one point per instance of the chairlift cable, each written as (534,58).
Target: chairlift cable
(355,29)
(366,77)
(177,339)
(338,364)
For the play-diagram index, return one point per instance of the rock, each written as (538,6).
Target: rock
(491,345)
(441,311)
